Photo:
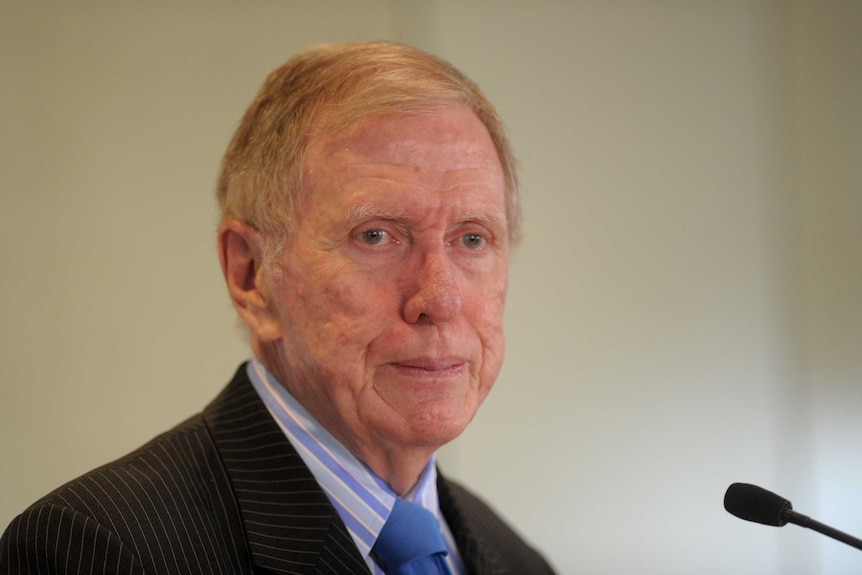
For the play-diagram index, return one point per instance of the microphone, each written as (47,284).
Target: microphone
(756,504)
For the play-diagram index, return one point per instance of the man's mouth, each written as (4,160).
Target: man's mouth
(430,367)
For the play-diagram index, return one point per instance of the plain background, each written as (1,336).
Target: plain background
(685,312)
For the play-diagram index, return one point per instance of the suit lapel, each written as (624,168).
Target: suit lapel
(476,551)
(290,525)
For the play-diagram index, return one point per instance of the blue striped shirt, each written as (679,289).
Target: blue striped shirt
(363,500)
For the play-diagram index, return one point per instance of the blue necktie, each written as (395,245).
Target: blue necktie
(410,542)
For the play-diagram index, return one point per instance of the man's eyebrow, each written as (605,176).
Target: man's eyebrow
(368,211)
(494,217)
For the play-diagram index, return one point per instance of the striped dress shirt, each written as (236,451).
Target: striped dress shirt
(362,499)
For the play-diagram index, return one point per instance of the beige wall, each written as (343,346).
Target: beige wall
(829,169)
(684,314)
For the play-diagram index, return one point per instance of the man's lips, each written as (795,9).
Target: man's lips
(427,367)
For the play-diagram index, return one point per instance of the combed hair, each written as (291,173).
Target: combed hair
(330,88)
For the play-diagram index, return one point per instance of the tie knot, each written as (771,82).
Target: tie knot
(410,542)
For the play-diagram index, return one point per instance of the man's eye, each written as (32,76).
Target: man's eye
(473,241)
(374,237)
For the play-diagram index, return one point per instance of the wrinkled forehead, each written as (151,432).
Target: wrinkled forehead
(448,138)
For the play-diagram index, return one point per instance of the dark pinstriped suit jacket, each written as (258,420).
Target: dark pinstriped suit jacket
(224,492)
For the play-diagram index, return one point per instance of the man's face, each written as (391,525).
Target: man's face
(393,281)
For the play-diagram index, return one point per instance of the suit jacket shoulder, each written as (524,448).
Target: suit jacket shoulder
(160,509)
(487,544)
(150,511)
(223,492)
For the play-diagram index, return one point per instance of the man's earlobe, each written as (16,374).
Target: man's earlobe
(241,255)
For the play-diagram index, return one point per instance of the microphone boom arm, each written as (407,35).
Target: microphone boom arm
(804,521)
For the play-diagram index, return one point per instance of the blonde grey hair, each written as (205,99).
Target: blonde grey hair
(329,88)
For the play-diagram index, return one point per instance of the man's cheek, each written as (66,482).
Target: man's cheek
(348,321)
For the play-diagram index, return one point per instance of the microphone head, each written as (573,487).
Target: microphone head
(754,503)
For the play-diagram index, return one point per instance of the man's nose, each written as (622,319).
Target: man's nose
(436,295)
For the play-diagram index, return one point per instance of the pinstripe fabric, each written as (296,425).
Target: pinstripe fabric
(488,546)
(165,508)
(224,492)
(290,525)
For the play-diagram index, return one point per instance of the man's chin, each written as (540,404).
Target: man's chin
(435,429)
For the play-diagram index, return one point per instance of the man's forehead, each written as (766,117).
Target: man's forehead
(420,153)
(454,135)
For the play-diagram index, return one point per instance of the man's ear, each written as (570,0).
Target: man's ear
(241,250)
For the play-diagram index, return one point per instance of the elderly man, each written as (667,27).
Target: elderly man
(369,209)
